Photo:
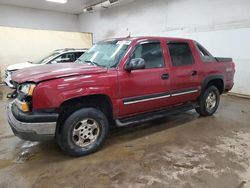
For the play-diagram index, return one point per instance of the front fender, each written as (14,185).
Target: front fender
(51,94)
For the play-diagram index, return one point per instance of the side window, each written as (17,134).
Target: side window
(151,53)
(78,54)
(181,54)
(65,58)
(56,60)
(69,57)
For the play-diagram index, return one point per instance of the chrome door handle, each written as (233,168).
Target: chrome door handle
(194,72)
(165,76)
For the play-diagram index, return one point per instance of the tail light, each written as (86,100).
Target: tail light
(233,66)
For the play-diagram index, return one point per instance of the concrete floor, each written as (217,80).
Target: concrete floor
(183,150)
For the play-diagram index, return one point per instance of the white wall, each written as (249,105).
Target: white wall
(37,19)
(19,45)
(222,26)
(29,34)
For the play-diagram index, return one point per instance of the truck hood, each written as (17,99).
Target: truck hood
(20,66)
(53,71)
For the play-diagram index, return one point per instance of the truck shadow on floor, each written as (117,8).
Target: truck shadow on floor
(27,151)
(146,129)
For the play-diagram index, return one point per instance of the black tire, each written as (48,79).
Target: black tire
(203,108)
(65,137)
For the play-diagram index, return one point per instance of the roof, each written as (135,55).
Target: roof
(147,38)
(71,49)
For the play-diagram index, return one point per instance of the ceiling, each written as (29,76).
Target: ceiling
(73,6)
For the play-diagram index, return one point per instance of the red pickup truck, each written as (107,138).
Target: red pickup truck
(117,82)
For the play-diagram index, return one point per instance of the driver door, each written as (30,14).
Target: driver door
(146,89)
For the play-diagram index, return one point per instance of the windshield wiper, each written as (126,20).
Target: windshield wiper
(79,60)
(93,63)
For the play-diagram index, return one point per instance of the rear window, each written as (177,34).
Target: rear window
(204,54)
(180,53)
(202,51)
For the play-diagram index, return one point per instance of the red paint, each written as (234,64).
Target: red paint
(58,83)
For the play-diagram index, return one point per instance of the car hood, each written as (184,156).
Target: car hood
(20,66)
(53,71)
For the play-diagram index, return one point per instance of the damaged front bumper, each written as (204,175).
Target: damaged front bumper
(31,126)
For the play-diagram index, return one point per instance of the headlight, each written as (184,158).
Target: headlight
(27,89)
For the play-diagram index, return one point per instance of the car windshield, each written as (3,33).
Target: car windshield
(45,59)
(105,54)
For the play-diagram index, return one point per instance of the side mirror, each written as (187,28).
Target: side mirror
(135,64)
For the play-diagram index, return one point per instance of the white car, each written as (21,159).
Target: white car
(58,56)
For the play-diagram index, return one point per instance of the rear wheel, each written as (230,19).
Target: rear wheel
(209,101)
(83,132)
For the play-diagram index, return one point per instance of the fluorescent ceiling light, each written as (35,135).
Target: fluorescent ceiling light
(101,5)
(88,9)
(113,1)
(58,1)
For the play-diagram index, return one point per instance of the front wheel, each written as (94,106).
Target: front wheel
(209,101)
(83,132)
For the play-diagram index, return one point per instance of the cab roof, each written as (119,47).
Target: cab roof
(146,38)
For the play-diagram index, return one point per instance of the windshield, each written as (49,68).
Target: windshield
(105,54)
(45,59)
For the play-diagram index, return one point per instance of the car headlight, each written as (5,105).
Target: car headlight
(27,89)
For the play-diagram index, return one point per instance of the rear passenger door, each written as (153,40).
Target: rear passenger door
(184,73)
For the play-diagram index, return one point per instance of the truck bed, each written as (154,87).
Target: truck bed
(223,59)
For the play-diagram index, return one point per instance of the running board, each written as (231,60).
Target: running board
(141,118)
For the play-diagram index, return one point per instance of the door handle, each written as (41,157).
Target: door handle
(165,76)
(194,72)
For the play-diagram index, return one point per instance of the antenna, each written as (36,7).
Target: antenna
(129,35)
